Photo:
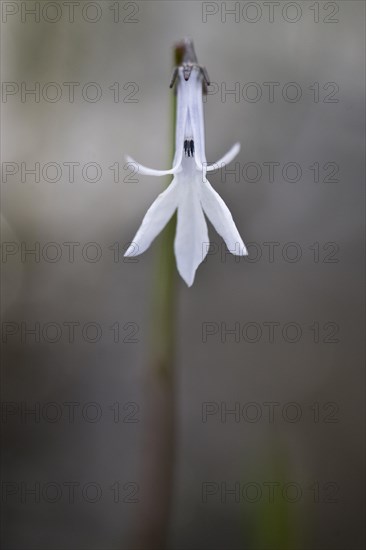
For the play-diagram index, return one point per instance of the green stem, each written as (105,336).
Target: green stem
(159,444)
(164,304)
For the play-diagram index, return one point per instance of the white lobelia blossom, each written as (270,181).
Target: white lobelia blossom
(189,192)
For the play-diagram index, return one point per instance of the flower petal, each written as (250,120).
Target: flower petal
(145,171)
(195,106)
(226,159)
(181,119)
(222,220)
(158,215)
(191,239)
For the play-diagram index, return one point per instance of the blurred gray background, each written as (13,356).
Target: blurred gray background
(314,440)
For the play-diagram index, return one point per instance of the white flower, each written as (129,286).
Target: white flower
(190,193)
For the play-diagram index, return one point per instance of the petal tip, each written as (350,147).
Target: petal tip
(128,252)
(187,276)
(243,251)
(188,280)
(132,250)
(235,150)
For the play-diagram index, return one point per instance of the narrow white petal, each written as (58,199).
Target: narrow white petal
(180,125)
(181,119)
(145,171)
(201,122)
(155,219)
(191,238)
(226,159)
(195,109)
(221,218)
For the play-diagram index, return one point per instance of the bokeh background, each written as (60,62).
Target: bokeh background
(88,391)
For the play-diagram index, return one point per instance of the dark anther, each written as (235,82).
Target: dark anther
(187,69)
(189,147)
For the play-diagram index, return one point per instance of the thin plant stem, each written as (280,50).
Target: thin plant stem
(159,445)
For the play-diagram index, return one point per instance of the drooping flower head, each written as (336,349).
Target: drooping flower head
(189,192)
